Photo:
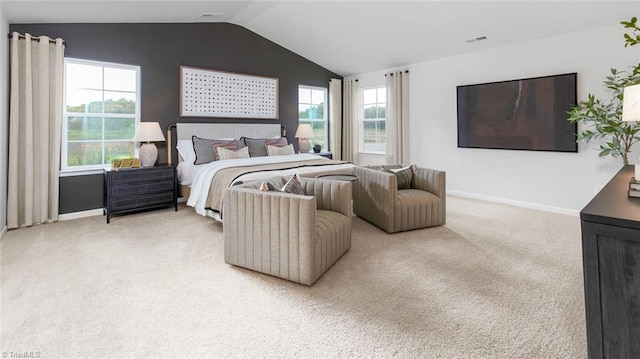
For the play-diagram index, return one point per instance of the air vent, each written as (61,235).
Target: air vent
(475,39)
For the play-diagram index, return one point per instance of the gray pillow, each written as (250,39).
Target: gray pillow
(257,146)
(404,175)
(205,151)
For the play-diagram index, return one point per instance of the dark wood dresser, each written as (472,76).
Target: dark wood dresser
(139,189)
(328,155)
(611,255)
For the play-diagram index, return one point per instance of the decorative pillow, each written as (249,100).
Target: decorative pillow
(267,186)
(404,175)
(280,142)
(257,146)
(292,186)
(204,151)
(229,145)
(264,187)
(280,151)
(225,154)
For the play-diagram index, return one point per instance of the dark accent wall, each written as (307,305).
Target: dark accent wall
(160,49)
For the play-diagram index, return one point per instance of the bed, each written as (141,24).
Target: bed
(203,176)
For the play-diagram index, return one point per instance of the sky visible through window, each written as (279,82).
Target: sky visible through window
(85,84)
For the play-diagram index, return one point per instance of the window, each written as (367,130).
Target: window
(100,114)
(312,109)
(373,133)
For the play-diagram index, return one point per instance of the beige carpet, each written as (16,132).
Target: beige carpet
(495,282)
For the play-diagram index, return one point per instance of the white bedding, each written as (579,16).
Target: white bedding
(187,172)
(202,177)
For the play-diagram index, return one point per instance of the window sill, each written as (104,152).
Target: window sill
(372,154)
(86,172)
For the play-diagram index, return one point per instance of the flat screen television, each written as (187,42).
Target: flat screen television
(525,114)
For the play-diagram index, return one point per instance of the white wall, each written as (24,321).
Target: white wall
(563,182)
(4,120)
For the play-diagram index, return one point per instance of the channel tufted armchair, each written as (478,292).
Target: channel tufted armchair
(377,199)
(290,236)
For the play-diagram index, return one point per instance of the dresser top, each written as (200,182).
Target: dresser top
(161,165)
(612,205)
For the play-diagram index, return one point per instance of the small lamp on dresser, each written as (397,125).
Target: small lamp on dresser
(304,133)
(148,132)
(631,111)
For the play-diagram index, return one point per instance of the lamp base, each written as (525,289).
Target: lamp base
(303,144)
(148,154)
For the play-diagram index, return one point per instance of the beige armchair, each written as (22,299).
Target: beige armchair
(290,236)
(376,199)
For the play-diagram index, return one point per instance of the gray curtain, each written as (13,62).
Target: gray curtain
(35,117)
(350,104)
(335,118)
(397,117)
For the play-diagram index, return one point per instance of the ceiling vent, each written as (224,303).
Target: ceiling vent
(211,14)
(475,39)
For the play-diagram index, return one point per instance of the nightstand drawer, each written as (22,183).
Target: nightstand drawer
(137,188)
(139,202)
(146,174)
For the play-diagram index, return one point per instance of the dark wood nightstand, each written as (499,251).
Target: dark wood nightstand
(328,155)
(139,189)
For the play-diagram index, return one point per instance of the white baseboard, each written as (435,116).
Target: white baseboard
(530,205)
(81,214)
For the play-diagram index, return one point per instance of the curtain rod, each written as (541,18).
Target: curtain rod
(10,35)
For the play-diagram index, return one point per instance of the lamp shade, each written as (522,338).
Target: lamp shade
(148,132)
(631,103)
(304,131)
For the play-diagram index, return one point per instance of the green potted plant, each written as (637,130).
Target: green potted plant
(603,119)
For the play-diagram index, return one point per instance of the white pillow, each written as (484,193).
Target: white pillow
(280,150)
(185,150)
(226,154)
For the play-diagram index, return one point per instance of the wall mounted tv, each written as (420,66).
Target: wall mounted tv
(525,114)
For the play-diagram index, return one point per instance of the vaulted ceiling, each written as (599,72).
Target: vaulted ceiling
(352,37)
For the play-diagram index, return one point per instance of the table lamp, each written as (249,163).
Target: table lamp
(631,111)
(304,133)
(148,132)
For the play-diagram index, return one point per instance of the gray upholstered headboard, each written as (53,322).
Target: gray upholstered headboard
(184,131)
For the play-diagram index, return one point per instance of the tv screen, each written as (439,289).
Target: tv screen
(525,114)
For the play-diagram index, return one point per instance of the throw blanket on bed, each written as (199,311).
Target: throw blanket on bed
(210,182)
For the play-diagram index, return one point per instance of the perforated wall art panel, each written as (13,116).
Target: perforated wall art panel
(210,93)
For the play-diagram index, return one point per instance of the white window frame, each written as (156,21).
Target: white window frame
(362,121)
(66,170)
(326,113)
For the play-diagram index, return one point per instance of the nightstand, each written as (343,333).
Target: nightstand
(139,189)
(328,155)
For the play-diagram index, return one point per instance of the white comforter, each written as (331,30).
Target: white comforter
(202,179)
